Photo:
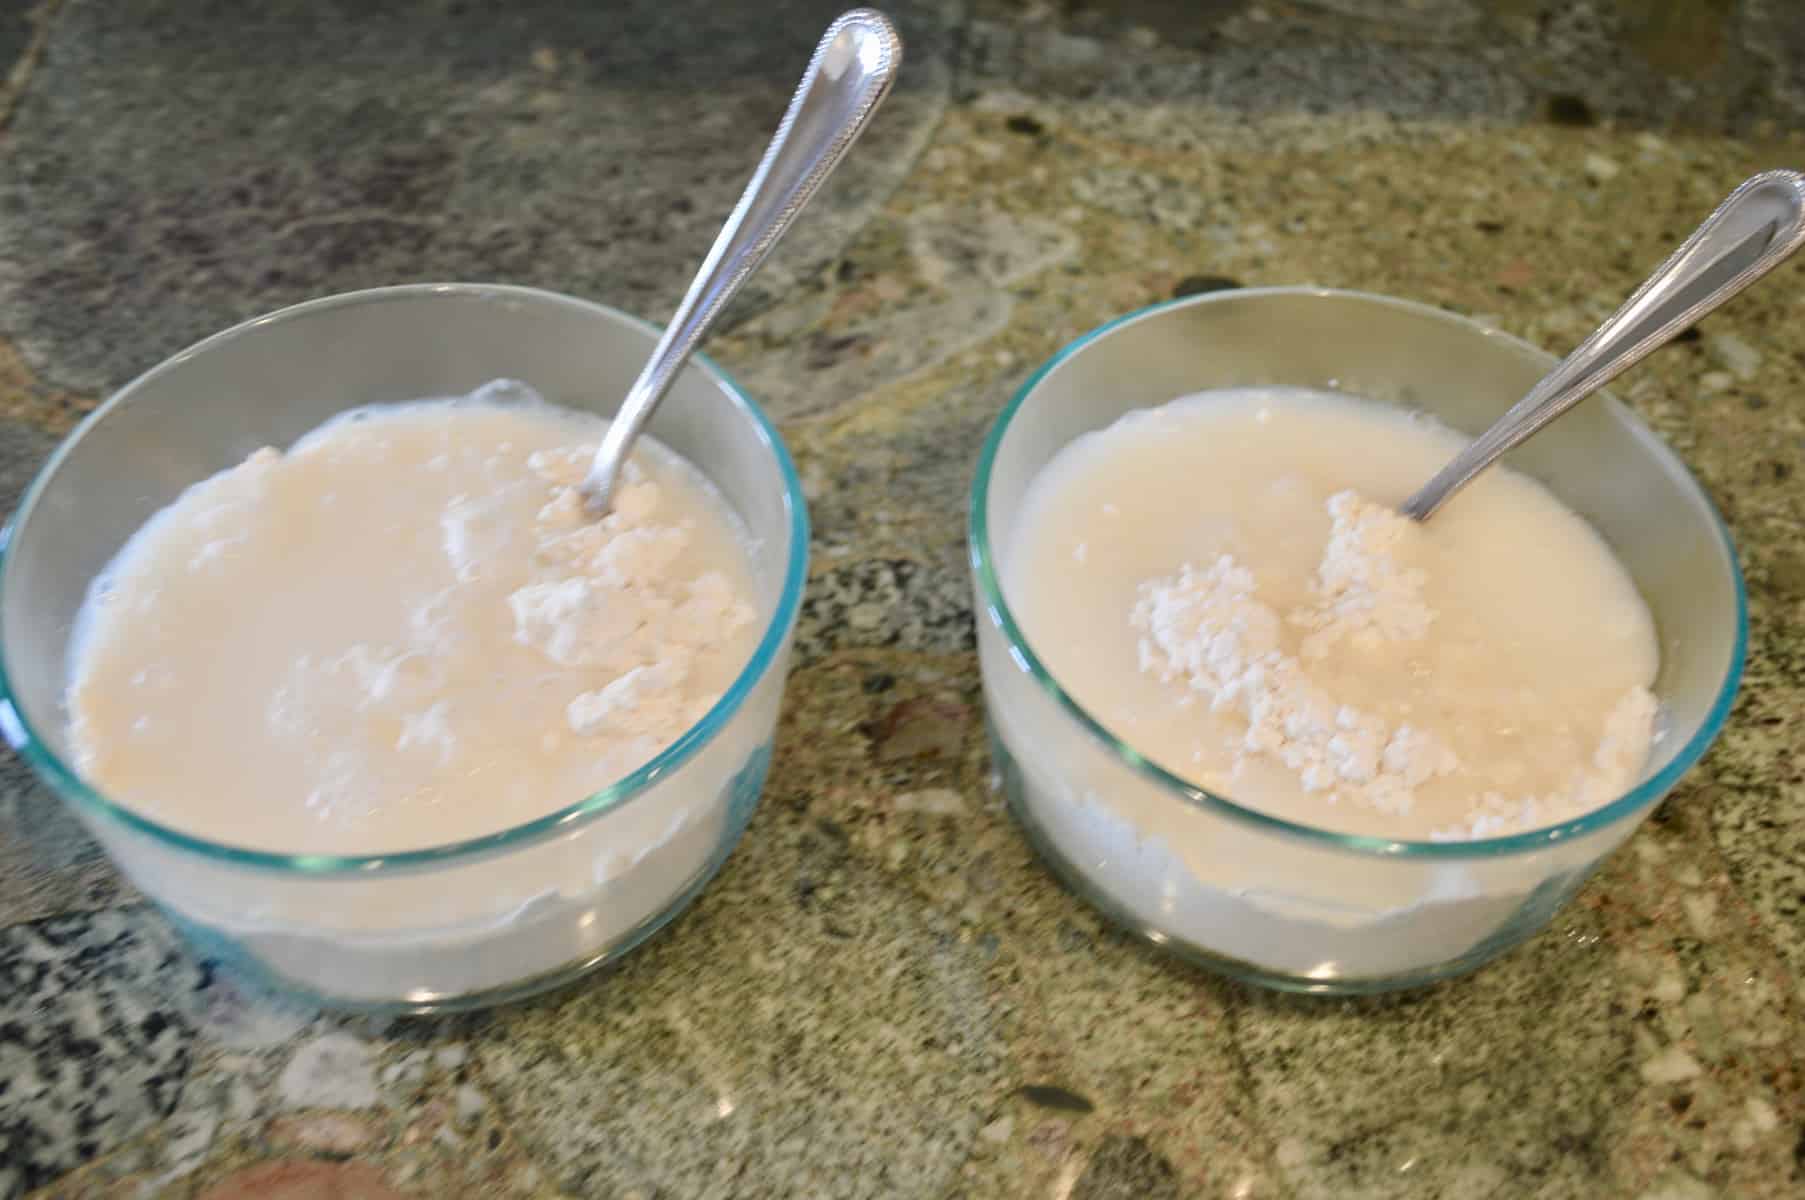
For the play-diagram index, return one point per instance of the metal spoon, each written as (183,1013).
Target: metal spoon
(1752,232)
(849,75)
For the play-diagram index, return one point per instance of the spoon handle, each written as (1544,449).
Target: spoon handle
(852,70)
(1751,233)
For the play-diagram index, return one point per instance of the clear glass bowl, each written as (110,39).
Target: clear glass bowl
(1287,905)
(462,925)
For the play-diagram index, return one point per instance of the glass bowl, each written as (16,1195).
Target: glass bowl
(1282,904)
(460,925)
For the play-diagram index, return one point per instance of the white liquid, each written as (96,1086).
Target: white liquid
(1536,637)
(1537,641)
(402,633)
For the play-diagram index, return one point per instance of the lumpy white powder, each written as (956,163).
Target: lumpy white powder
(1258,618)
(615,600)
(1207,632)
(1361,588)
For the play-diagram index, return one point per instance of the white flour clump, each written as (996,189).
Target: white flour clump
(1363,592)
(1210,630)
(610,600)
(1621,751)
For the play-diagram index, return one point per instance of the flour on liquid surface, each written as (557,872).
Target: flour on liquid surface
(1261,621)
(405,631)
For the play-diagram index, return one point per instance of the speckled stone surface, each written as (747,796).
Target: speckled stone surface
(884,994)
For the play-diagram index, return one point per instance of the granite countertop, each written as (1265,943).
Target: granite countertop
(883,994)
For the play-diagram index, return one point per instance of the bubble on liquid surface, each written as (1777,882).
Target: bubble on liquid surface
(504,391)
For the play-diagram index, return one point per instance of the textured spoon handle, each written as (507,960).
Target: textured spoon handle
(852,70)
(1752,232)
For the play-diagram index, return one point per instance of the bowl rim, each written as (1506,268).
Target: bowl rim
(68,783)
(996,608)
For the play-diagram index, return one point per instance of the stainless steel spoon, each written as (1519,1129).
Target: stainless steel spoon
(849,75)
(1752,232)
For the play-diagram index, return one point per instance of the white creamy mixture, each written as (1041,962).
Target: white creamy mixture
(1225,584)
(404,631)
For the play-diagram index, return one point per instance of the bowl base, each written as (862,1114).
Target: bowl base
(1074,880)
(216,947)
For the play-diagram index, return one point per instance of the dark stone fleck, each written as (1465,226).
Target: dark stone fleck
(1564,108)
(879,682)
(1048,1095)
(825,349)
(1798,1154)
(1127,1168)
(495,1139)
(924,727)
(1688,334)
(1489,226)
(1681,1102)
(1025,125)
(1072,939)
(1197,285)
